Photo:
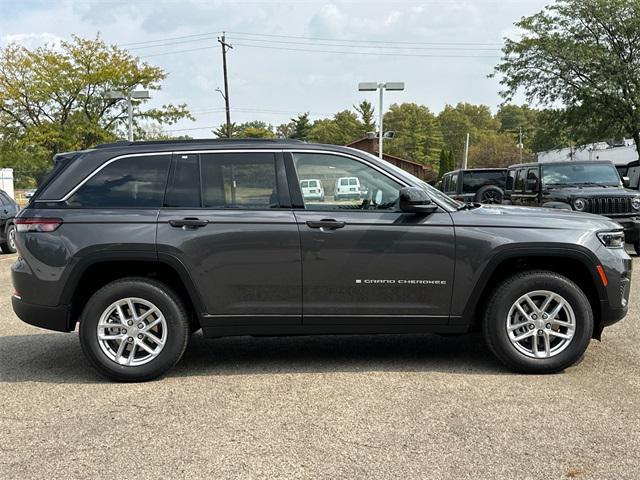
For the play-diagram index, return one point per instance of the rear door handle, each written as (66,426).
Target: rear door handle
(188,223)
(329,224)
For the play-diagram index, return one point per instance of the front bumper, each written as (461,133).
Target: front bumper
(631,227)
(51,318)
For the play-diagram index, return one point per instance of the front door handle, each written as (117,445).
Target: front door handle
(188,223)
(328,224)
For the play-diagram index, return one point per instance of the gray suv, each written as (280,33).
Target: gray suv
(144,243)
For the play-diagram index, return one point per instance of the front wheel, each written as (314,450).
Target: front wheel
(538,322)
(134,329)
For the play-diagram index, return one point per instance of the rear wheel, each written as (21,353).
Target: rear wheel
(489,194)
(134,329)
(9,243)
(538,322)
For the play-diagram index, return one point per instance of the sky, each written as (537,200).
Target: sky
(290,57)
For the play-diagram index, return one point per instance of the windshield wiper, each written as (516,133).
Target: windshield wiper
(468,206)
(594,183)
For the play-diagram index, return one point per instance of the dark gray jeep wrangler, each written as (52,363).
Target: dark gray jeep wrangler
(144,243)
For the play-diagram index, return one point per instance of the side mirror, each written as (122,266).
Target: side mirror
(416,200)
(626,182)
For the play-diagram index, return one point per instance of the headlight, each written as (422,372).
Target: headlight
(635,203)
(580,204)
(612,239)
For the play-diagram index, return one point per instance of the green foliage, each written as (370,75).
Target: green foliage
(582,54)
(367,116)
(253,129)
(417,133)
(442,165)
(55,99)
(495,150)
(342,129)
(464,118)
(301,127)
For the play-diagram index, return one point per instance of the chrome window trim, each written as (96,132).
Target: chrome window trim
(238,150)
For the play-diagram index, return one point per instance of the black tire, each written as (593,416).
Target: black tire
(489,194)
(9,243)
(494,324)
(176,317)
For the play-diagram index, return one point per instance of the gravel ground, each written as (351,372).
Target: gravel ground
(386,406)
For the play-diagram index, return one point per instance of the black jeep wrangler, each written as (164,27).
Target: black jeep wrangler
(583,186)
(480,185)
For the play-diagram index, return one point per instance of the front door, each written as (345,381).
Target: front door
(364,261)
(226,218)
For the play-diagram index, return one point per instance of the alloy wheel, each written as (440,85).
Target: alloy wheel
(132,331)
(541,324)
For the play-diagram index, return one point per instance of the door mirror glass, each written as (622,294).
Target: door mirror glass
(416,200)
(625,182)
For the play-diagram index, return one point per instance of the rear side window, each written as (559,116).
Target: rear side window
(135,182)
(520,181)
(239,180)
(511,177)
(532,180)
(453,183)
(183,189)
(474,181)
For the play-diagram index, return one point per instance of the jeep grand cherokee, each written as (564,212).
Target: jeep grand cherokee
(142,244)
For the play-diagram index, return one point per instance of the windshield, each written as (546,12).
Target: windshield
(434,193)
(580,174)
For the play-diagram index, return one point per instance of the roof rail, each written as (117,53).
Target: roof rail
(126,143)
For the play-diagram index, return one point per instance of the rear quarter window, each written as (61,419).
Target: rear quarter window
(133,182)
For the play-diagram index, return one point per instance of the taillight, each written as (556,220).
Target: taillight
(37,224)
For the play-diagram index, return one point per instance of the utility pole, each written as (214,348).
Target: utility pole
(520,144)
(466,153)
(225,47)
(128,95)
(372,87)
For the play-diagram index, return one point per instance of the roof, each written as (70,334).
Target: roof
(563,162)
(488,169)
(386,155)
(200,141)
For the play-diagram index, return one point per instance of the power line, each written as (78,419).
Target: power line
(343,52)
(393,47)
(345,40)
(169,38)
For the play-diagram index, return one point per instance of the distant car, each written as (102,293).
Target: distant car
(584,186)
(312,189)
(8,210)
(480,185)
(29,193)
(347,187)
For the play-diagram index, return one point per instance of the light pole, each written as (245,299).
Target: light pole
(372,87)
(137,94)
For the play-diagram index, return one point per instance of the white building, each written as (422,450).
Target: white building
(619,154)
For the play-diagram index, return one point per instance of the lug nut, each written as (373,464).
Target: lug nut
(531,326)
(548,325)
(140,336)
(534,316)
(141,325)
(123,331)
(540,332)
(130,322)
(130,339)
(545,316)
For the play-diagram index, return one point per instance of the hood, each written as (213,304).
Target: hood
(533,217)
(591,191)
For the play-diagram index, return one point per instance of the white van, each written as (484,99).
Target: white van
(312,189)
(347,187)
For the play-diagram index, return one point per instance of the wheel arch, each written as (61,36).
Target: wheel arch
(92,273)
(575,262)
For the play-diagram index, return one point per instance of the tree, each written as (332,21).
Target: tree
(495,150)
(582,54)
(513,118)
(367,116)
(301,127)
(342,129)
(253,129)
(464,118)
(54,99)
(417,133)
(442,165)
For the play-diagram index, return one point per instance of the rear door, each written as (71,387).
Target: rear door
(226,218)
(363,260)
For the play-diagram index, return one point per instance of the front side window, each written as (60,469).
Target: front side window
(348,183)
(239,180)
(520,180)
(134,182)
(532,180)
(453,185)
